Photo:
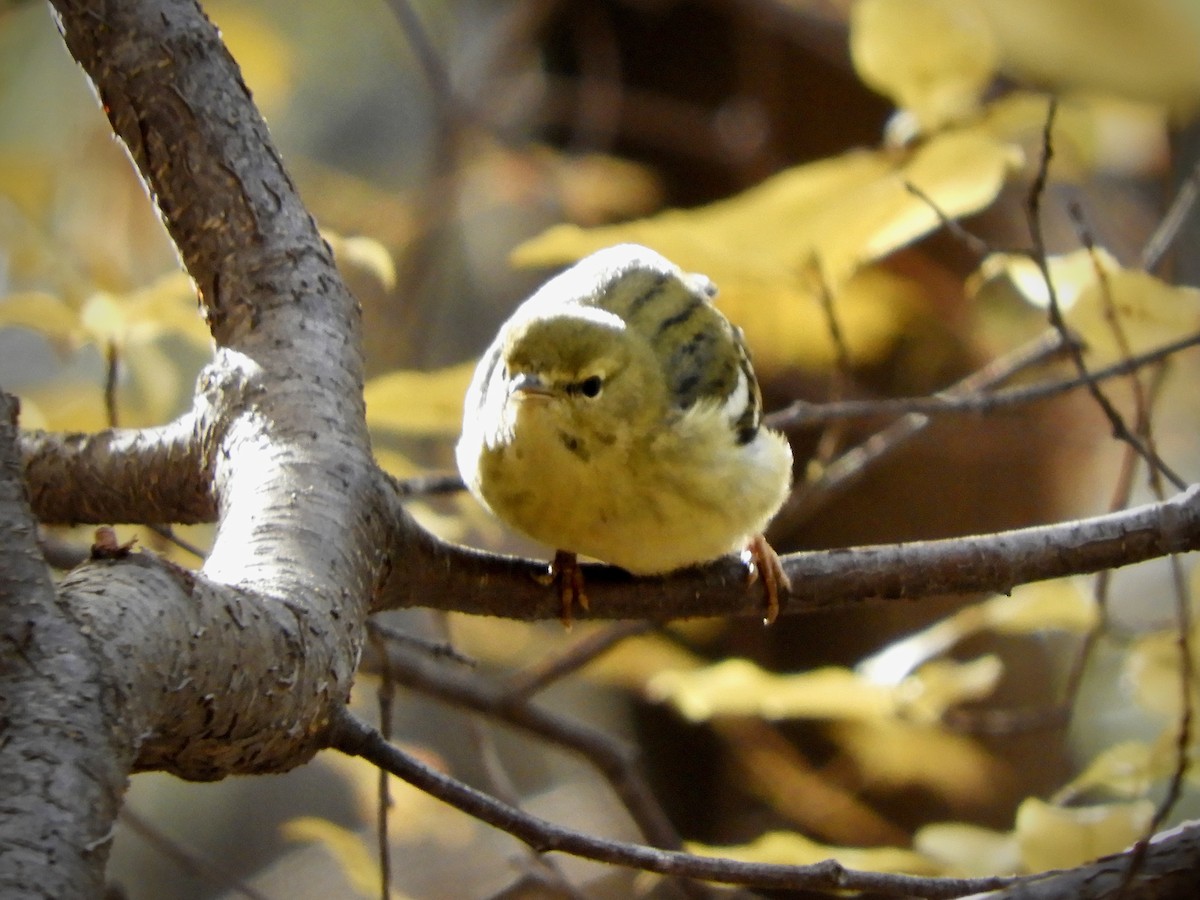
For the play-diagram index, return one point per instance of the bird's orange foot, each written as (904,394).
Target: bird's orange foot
(760,558)
(567,578)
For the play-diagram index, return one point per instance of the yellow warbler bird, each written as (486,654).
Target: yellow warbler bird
(617,415)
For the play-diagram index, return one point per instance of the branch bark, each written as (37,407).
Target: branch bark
(465,580)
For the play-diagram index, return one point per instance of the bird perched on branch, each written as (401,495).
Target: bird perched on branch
(617,415)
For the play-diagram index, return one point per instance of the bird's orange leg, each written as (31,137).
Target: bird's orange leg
(759,557)
(567,577)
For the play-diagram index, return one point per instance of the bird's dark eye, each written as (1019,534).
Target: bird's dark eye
(590,387)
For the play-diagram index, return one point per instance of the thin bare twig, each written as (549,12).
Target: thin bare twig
(525,683)
(355,738)
(852,464)
(977,245)
(207,870)
(386,695)
(1168,228)
(435,648)
(614,760)
(805,414)
(1120,429)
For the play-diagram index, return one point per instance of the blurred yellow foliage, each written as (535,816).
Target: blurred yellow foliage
(932,58)
(776,248)
(968,851)
(891,754)
(1116,311)
(1056,605)
(741,687)
(421,404)
(1057,837)
(790,848)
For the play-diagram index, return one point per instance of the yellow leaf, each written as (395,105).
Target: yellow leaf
(897,755)
(1142,49)
(635,661)
(165,306)
(774,249)
(42,312)
(156,388)
(1091,132)
(1046,605)
(1055,837)
(790,848)
(933,58)
(1130,312)
(1057,605)
(68,404)
(925,696)
(103,318)
(594,188)
(424,404)
(1114,310)
(968,851)
(1152,667)
(1126,769)
(740,687)
(842,212)
(364,253)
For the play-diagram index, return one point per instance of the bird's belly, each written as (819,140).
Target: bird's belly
(644,522)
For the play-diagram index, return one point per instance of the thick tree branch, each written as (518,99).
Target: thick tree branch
(120,475)
(466,580)
(64,756)
(249,656)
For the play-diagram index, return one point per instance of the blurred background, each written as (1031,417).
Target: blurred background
(431,141)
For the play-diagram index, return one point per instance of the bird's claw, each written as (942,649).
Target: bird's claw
(760,558)
(567,577)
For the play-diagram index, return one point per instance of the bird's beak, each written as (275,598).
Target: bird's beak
(526,384)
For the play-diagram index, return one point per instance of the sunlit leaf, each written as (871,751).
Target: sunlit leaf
(968,851)
(365,254)
(933,58)
(843,212)
(1145,49)
(1115,310)
(1056,605)
(157,388)
(1126,769)
(1152,668)
(775,249)
(42,312)
(427,404)
(27,181)
(103,319)
(1055,837)
(635,661)
(790,848)
(68,404)
(740,687)
(894,755)
(1091,132)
